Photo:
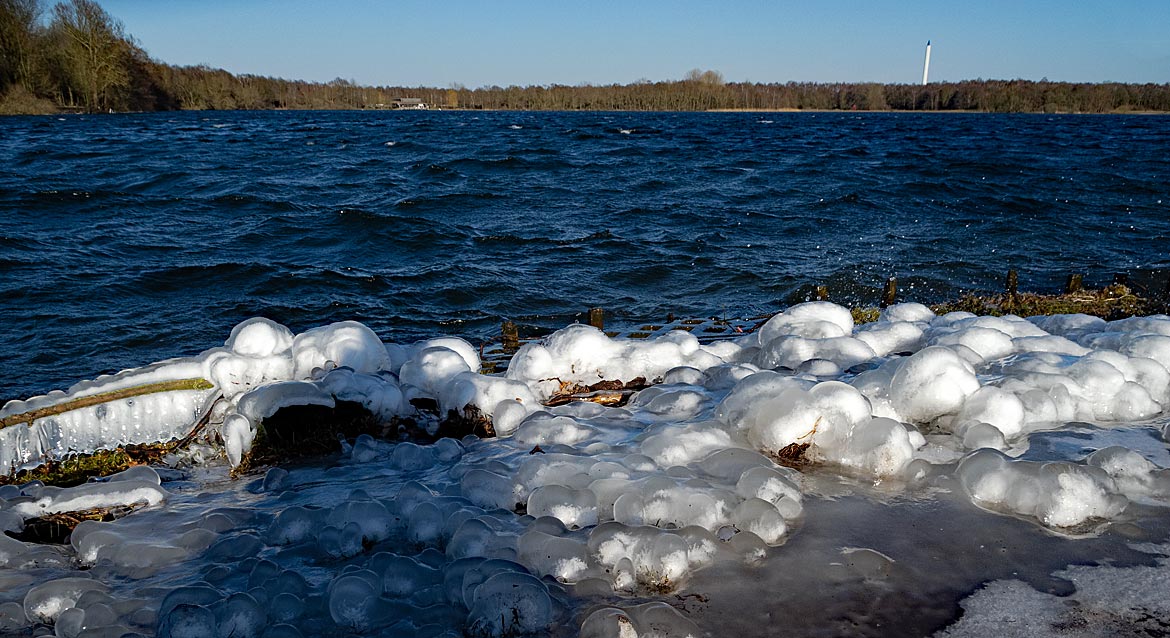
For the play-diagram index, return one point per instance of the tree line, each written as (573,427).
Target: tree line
(75,56)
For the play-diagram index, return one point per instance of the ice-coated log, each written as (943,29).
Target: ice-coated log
(150,405)
(94,495)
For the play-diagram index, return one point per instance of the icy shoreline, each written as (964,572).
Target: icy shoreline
(583,516)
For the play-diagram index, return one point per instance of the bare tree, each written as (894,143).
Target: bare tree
(18,25)
(708,77)
(95,48)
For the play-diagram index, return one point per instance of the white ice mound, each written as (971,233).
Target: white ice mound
(1057,494)
(643,557)
(584,355)
(432,368)
(656,619)
(486,394)
(931,383)
(907,312)
(989,344)
(889,337)
(811,320)
(879,446)
(468,352)
(1136,476)
(834,420)
(1103,385)
(259,337)
(235,374)
(345,343)
(258,351)
(822,416)
(996,407)
(790,351)
(1072,326)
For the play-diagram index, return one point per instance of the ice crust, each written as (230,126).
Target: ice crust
(483,537)
(1108,601)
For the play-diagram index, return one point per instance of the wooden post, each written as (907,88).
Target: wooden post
(822,293)
(1076,282)
(1121,279)
(597,318)
(511,336)
(890,293)
(1013,283)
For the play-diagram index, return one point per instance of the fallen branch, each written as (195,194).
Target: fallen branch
(105,397)
(609,393)
(56,528)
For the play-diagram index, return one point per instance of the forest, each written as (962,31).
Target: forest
(76,57)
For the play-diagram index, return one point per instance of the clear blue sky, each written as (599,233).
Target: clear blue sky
(503,42)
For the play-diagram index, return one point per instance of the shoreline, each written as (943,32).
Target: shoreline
(464,110)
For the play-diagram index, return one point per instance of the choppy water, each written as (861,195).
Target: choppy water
(125,239)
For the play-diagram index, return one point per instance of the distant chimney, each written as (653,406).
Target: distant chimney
(926,65)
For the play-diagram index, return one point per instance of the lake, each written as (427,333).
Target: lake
(132,238)
(975,476)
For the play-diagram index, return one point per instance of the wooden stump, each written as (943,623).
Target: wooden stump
(890,293)
(597,318)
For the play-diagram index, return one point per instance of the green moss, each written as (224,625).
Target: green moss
(76,469)
(866,314)
(1113,302)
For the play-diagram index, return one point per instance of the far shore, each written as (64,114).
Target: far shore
(948,111)
(499,110)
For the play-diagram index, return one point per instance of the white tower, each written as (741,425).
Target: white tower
(926,65)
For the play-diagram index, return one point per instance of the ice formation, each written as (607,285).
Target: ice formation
(709,465)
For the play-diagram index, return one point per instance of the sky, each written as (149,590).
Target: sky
(526,42)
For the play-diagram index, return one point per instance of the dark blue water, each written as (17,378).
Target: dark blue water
(130,238)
